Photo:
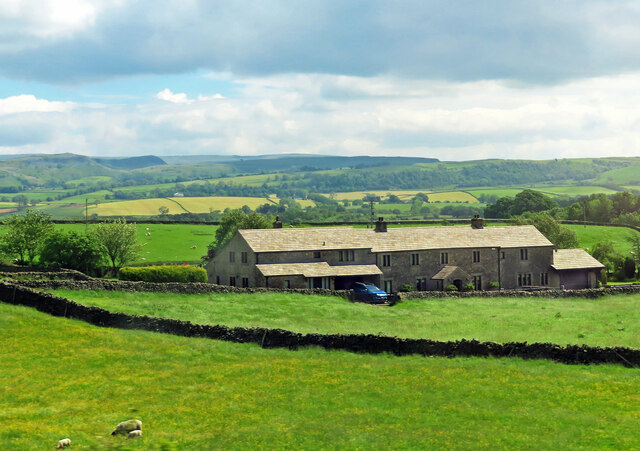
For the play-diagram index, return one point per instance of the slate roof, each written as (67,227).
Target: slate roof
(395,239)
(574,259)
(316,269)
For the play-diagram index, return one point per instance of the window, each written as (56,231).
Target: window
(245,282)
(287,283)
(421,284)
(524,280)
(232,257)
(388,287)
(477,282)
(524,254)
(345,256)
(316,254)
(444,258)
(244,257)
(502,255)
(544,278)
(415,259)
(217,280)
(386,260)
(232,281)
(476,256)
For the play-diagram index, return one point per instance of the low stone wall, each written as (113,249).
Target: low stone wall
(278,338)
(67,274)
(171,287)
(590,293)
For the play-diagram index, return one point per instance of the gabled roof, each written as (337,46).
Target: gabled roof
(574,259)
(316,269)
(395,239)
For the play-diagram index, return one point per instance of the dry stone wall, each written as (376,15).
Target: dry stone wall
(278,338)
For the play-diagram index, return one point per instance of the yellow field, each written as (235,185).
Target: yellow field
(448,196)
(177,205)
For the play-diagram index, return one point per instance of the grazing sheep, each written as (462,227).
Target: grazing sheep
(143,259)
(134,434)
(147,229)
(148,233)
(63,443)
(127,426)
(193,247)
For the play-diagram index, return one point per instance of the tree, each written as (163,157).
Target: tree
(21,200)
(529,200)
(561,237)
(235,220)
(634,240)
(606,254)
(25,234)
(163,210)
(119,241)
(71,250)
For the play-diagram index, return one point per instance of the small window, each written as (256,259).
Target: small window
(476,256)
(524,254)
(232,281)
(444,258)
(232,257)
(316,254)
(244,257)
(502,255)
(544,278)
(287,283)
(386,260)
(388,287)
(477,282)
(245,282)
(415,259)
(217,280)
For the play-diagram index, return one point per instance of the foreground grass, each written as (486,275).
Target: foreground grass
(608,321)
(64,378)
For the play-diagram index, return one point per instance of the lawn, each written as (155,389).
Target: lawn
(63,378)
(608,321)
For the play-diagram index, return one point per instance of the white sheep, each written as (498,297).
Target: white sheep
(63,443)
(147,229)
(134,434)
(127,426)
(193,247)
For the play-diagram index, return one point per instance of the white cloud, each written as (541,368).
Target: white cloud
(29,103)
(169,96)
(351,116)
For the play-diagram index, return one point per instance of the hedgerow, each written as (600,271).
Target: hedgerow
(164,273)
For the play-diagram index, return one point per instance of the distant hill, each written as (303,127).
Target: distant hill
(131,162)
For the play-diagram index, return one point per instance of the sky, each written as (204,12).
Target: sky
(460,80)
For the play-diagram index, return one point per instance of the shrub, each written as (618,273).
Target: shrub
(407,287)
(468,287)
(494,285)
(451,288)
(163,274)
(72,251)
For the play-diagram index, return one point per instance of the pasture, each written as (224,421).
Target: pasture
(607,321)
(407,195)
(590,235)
(64,378)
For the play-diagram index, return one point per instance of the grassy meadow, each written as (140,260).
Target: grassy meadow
(590,235)
(607,321)
(64,378)
(407,195)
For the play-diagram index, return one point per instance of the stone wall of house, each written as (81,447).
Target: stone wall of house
(221,270)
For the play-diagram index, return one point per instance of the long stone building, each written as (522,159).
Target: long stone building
(426,258)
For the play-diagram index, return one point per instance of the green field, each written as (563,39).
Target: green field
(407,195)
(608,321)
(629,175)
(550,190)
(590,235)
(63,378)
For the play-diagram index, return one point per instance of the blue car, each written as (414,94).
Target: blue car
(368,292)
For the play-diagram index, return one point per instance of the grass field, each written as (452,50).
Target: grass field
(609,321)
(446,196)
(166,242)
(590,235)
(63,378)
(629,175)
(550,190)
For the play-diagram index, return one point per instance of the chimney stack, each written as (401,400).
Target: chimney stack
(277,224)
(381,226)
(477,222)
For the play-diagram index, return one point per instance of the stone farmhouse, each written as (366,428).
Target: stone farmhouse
(427,258)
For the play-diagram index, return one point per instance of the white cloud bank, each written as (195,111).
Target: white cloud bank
(348,115)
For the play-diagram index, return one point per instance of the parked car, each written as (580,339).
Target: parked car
(368,292)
